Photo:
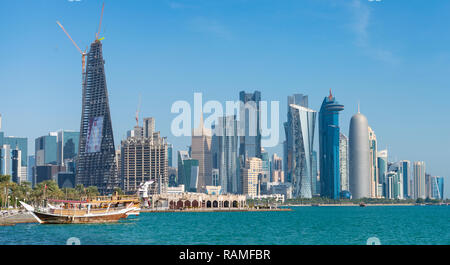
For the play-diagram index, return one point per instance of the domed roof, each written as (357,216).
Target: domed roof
(358,117)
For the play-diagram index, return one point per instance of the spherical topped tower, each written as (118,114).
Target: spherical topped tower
(359,167)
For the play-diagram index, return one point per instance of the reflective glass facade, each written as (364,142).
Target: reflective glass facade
(45,150)
(250,141)
(67,145)
(225,153)
(329,147)
(301,122)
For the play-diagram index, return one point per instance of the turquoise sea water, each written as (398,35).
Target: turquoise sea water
(304,225)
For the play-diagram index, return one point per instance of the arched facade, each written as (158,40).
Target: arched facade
(190,200)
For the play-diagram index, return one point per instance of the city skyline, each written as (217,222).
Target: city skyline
(402,146)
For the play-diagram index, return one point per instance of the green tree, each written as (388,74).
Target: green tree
(46,189)
(5,189)
(92,191)
(5,178)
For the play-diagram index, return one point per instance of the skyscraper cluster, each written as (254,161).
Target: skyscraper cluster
(228,155)
(372,175)
(13,156)
(55,158)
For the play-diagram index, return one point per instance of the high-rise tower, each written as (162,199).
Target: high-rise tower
(373,164)
(201,151)
(343,161)
(329,130)
(250,141)
(225,153)
(299,100)
(419,180)
(301,122)
(359,157)
(382,158)
(96,151)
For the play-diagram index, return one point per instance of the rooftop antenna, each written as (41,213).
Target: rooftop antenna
(358,106)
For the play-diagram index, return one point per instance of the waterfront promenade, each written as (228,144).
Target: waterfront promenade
(12,217)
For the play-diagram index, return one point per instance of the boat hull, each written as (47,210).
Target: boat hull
(64,219)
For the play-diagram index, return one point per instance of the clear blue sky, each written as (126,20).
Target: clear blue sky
(391,56)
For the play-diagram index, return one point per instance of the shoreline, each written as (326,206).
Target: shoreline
(205,210)
(367,204)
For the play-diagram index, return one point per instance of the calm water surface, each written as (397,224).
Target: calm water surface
(303,225)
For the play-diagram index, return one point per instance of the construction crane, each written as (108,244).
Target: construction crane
(83,53)
(100,25)
(138,110)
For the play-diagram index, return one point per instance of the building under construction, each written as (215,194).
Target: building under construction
(144,158)
(96,153)
(96,165)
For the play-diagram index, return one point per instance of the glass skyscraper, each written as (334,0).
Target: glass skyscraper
(373,164)
(13,156)
(249,120)
(225,153)
(265,168)
(405,167)
(67,146)
(437,187)
(329,147)
(301,123)
(382,157)
(288,145)
(419,180)
(20,142)
(188,170)
(45,149)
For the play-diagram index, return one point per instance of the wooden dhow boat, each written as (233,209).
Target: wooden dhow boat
(81,212)
(119,200)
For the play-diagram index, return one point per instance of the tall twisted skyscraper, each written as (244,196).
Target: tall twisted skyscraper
(95,165)
(299,142)
(359,160)
(288,145)
(329,130)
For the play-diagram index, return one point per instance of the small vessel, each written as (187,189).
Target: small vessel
(362,204)
(81,212)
